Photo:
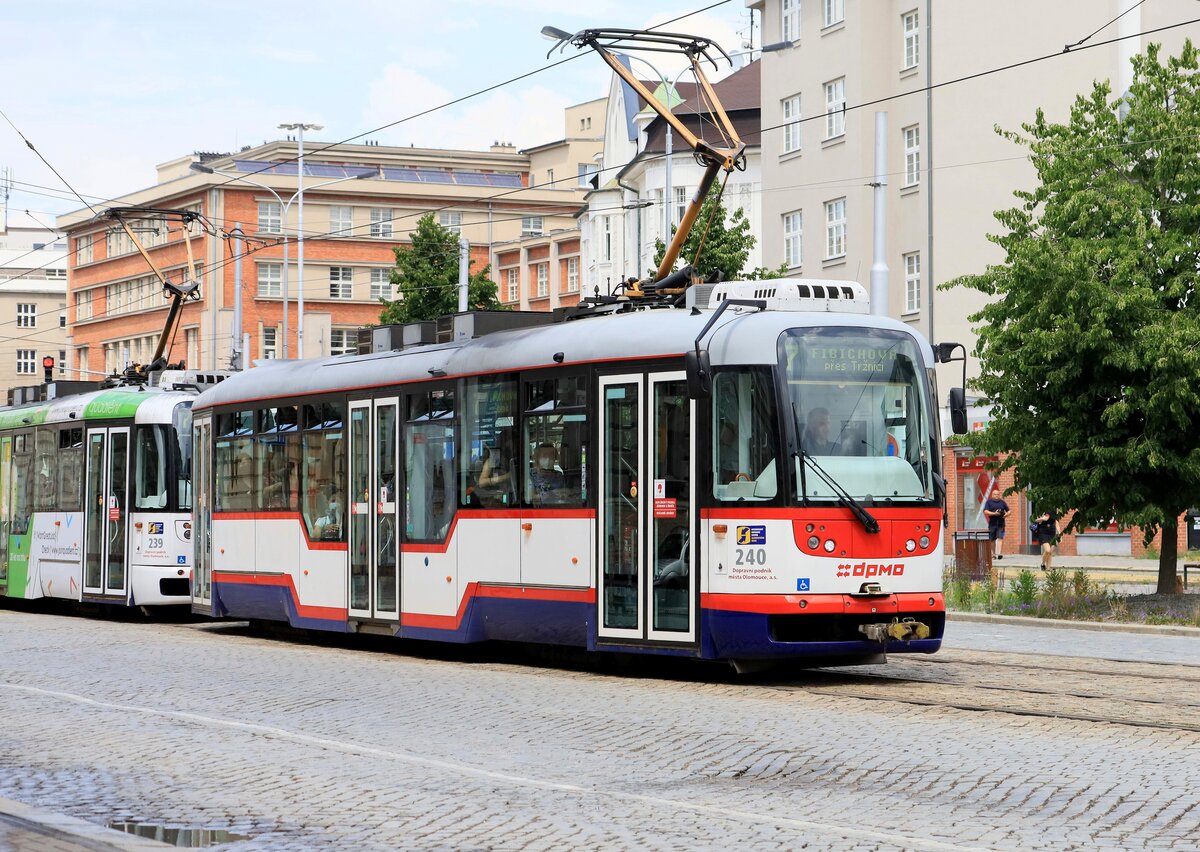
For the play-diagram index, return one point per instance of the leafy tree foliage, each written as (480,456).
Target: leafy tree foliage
(425,278)
(726,245)
(1090,344)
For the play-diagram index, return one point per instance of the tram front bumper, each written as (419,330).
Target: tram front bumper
(895,630)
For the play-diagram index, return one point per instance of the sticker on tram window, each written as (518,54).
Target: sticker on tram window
(156,528)
(751,535)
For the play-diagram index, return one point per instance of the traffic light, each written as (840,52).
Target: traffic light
(48,366)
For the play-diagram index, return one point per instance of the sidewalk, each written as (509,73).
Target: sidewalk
(25,827)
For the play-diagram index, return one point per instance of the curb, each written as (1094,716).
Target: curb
(69,830)
(1063,624)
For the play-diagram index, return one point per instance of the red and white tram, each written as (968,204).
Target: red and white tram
(559,484)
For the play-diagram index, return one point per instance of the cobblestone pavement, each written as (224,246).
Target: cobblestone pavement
(304,746)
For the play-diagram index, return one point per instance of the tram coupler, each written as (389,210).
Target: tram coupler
(895,630)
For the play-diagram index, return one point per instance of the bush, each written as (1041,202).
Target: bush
(1055,590)
(1081,585)
(1025,588)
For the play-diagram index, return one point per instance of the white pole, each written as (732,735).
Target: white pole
(464,263)
(668,202)
(299,252)
(879,268)
(237,355)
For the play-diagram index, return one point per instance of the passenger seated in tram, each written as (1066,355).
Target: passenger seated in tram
(328,527)
(547,482)
(494,486)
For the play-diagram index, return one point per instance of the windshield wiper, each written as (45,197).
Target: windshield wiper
(857,509)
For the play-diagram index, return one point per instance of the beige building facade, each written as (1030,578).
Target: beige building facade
(33,288)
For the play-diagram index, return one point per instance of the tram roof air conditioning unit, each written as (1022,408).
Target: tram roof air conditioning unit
(797,294)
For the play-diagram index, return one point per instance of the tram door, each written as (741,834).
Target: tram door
(374,550)
(106,527)
(202,532)
(647,583)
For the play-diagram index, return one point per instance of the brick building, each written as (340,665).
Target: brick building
(360,201)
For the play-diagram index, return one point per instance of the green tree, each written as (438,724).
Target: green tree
(1089,345)
(425,278)
(726,245)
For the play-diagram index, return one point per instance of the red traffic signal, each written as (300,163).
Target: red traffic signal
(48,362)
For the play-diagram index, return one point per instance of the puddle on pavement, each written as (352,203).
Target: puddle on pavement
(176,835)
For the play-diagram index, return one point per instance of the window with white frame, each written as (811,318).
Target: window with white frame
(550,177)
(572,275)
(343,341)
(912,39)
(270,279)
(660,209)
(514,284)
(26,315)
(83,249)
(83,305)
(912,155)
(269,349)
(790,20)
(381,222)
(586,172)
(56,273)
(26,361)
(62,316)
(835,12)
(62,362)
(543,280)
(606,246)
(835,108)
(451,220)
(341,280)
(793,239)
(341,220)
(381,284)
(681,203)
(81,362)
(532,226)
(270,217)
(791,126)
(835,228)
(912,282)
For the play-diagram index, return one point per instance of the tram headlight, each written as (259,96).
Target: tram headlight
(829,545)
(813,542)
(924,542)
(910,545)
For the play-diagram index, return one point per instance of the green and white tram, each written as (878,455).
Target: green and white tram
(96,497)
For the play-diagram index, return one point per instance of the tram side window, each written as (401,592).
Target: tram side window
(22,483)
(181,422)
(279,459)
(323,471)
(150,467)
(489,451)
(45,464)
(70,470)
(744,436)
(556,442)
(430,465)
(235,462)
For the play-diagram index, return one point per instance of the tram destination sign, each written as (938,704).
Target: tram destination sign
(848,360)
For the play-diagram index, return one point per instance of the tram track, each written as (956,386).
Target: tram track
(1090,690)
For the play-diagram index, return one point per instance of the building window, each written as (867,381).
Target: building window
(26,315)
(793,239)
(83,305)
(26,362)
(835,228)
(835,12)
(543,280)
(62,362)
(550,177)
(83,249)
(268,343)
(341,221)
(532,226)
(451,220)
(912,282)
(606,237)
(514,285)
(586,172)
(912,155)
(791,127)
(270,217)
(912,40)
(381,284)
(81,363)
(62,316)
(381,222)
(343,341)
(572,275)
(835,108)
(790,23)
(270,279)
(681,201)
(341,282)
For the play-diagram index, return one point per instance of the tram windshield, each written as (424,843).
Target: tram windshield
(861,410)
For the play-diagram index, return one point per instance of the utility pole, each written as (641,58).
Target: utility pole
(237,354)
(464,264)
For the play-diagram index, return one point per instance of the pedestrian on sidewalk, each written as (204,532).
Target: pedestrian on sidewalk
(1045,530)
(996,510)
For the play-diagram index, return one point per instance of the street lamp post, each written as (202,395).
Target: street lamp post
(300,128)
(283,210)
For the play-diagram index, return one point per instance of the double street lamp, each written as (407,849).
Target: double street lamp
(284,206)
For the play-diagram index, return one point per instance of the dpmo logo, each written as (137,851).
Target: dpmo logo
(870,569)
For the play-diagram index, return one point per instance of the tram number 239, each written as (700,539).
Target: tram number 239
(750,556)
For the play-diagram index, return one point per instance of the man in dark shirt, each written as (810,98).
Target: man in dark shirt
(996,510)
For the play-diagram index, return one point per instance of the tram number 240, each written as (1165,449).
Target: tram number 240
(750,556)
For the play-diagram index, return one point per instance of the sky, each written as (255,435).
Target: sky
(107,89)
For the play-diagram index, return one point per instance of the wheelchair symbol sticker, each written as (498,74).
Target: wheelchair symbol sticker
(802,584)
(181,560)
